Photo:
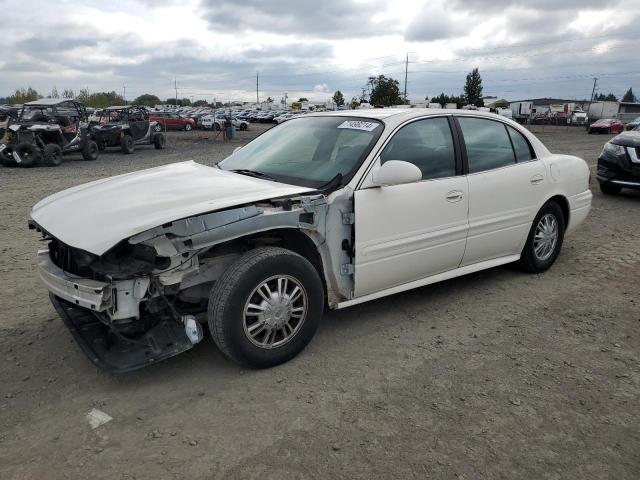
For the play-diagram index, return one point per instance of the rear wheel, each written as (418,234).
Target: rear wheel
(609,189)
(158,141)
(187,127)
(126,144)
(90,151)
(157,128)
(28,154)
(243,126)
(52,156)
(266,307)
(545,239)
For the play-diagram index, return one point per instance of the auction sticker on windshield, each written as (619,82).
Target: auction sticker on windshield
(359,125)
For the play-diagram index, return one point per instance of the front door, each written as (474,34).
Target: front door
(408,232)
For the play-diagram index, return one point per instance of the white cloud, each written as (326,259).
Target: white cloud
(310,48)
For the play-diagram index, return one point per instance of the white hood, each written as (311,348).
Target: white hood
(97,215)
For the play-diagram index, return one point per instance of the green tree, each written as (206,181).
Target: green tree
(355,102)
(22,95)
(54,92)
(100,99)
(384,91)
(303,99)
(68,93)
(630,96)
(338,98)
(200,103)
(610,97)
(185,102)
(473,88)
(147,100)
(444,99)
(269,100)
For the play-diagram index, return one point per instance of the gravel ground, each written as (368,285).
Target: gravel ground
(498,375)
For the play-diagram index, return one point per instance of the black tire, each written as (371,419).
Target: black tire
(29,155)
(6,158)
(126,144)
(90,151)
(243,127)
(158,141)
(188,127)
(101,146)
(157,128)
(529,261)
(52,156)
(234,289)
(609,189)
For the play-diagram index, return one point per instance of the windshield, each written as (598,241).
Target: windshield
(309,151)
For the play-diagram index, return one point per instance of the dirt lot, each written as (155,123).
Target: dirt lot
(495,375)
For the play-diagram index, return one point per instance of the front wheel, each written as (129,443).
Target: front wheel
(126,144)
(157,128)
(545,239)
(266,307)
(52,156)
(187,127)
(90,151)
(158,141)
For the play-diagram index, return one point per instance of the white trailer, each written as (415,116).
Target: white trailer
(521,110)
(598,110)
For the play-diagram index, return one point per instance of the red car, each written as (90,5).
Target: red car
(171,121)
(606,125)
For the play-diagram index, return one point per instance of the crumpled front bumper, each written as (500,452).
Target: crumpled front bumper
(83,292)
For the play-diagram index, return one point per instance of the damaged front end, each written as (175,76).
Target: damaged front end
(142,300)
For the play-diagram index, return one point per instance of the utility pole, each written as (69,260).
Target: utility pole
(124,94)
(406,71)
(175,85)
(257,83)
(593,92)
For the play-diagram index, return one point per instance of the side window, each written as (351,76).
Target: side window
(521,146)
(488,144)
(427,144)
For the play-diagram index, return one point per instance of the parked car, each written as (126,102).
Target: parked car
(632,125)
(45,130)
(619,163)
(606,125)
(171,121)
(328,210)
(578,117)
(125,127)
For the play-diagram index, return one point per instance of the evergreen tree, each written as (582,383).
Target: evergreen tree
(338,98)
(473,88)
(630,96)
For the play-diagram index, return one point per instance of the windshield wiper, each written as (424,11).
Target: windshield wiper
(254,173)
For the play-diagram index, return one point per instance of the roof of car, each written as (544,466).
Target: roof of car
(401,114)
(118,107)
(48,102)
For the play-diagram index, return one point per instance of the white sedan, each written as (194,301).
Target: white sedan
(328,210)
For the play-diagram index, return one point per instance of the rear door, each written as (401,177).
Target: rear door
(506,187)
(405,233)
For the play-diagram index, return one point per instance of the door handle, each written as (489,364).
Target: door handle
(536,179)
(454,196)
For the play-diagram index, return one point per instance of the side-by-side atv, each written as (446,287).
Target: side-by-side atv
(45,130)
(126,127)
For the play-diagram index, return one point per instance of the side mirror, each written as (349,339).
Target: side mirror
(395,172)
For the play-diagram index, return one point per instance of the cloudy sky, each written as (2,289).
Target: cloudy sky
(213,48)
